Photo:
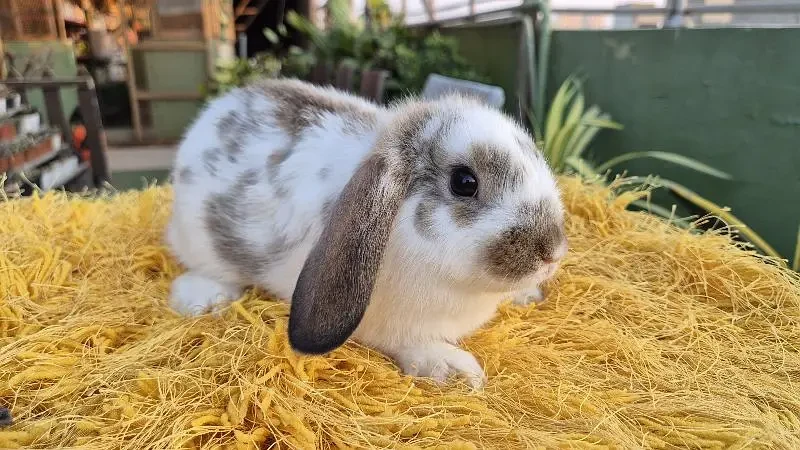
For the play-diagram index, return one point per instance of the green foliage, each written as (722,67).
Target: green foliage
(241,71)
(796,263)
(381,41)
(569,129)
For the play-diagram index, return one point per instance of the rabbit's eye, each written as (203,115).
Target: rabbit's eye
(463,182)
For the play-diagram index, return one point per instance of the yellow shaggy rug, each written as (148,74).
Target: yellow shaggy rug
(651,338)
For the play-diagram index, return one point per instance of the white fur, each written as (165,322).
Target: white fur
(427,296)
(199,294)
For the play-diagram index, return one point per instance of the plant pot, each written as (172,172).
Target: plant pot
(42,148)
(29,123)
(13,102)
(4,164)
(9,103)
(56,141)
(17,160)
(34,152)
(8,130)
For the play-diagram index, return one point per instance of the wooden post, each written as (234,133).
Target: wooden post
(60,25)
(52,24)
(372,84)
(88,8)
(429,10)
(133,98)
(2,59)
(95,135)
(55,111)
(154,19)
(345,76)
(15,19)
(321,73)
(208,35)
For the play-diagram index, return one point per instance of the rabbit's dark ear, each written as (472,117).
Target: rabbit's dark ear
(336,282)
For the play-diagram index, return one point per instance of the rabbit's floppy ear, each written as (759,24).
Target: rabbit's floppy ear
(338,276)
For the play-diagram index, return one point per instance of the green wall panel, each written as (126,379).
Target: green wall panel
(170,118)
(728,97)
(63,64)
(174,71)
(171,71)
(494,51)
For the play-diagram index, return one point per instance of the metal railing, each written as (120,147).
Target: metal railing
(674,13)
(677,11)
(682,8)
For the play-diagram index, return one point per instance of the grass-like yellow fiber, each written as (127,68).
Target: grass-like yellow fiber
(652,337)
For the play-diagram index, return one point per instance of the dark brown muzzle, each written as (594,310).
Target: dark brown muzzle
(524,248)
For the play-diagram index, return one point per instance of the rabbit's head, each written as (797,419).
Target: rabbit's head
(452,186)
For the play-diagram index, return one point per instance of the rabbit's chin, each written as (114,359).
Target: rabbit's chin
(493,284)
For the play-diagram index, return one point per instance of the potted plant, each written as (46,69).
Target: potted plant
(17,156)
(10,101)
(46,141)
(5,159)
(15,151)
(28,121)
(8,129)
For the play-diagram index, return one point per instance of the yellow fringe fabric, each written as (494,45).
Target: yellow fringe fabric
(651,337)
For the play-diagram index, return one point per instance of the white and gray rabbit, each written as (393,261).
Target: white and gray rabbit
(401,227)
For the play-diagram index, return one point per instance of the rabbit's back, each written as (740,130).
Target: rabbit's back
(255,177)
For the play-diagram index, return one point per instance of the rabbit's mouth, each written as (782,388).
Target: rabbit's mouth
(496,283)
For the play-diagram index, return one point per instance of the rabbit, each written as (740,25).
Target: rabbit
(402,227)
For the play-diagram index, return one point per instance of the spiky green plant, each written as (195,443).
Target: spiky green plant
(796,263)
(569,127)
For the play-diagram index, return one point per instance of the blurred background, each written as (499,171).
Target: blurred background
(692,106)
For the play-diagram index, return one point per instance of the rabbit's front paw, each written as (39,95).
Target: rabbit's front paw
(440,361)
(194,294)
(528,296)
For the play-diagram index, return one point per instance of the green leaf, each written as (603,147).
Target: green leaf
(603,122)
(583,168)
(583,139)
(570,136)
(561,149)
(669,157)
(555,114)
(557,148)
(576,142)
(307,28)
(534,124)
(282,30)
(271,36)
(796,263)
(299,22)
(576,109)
